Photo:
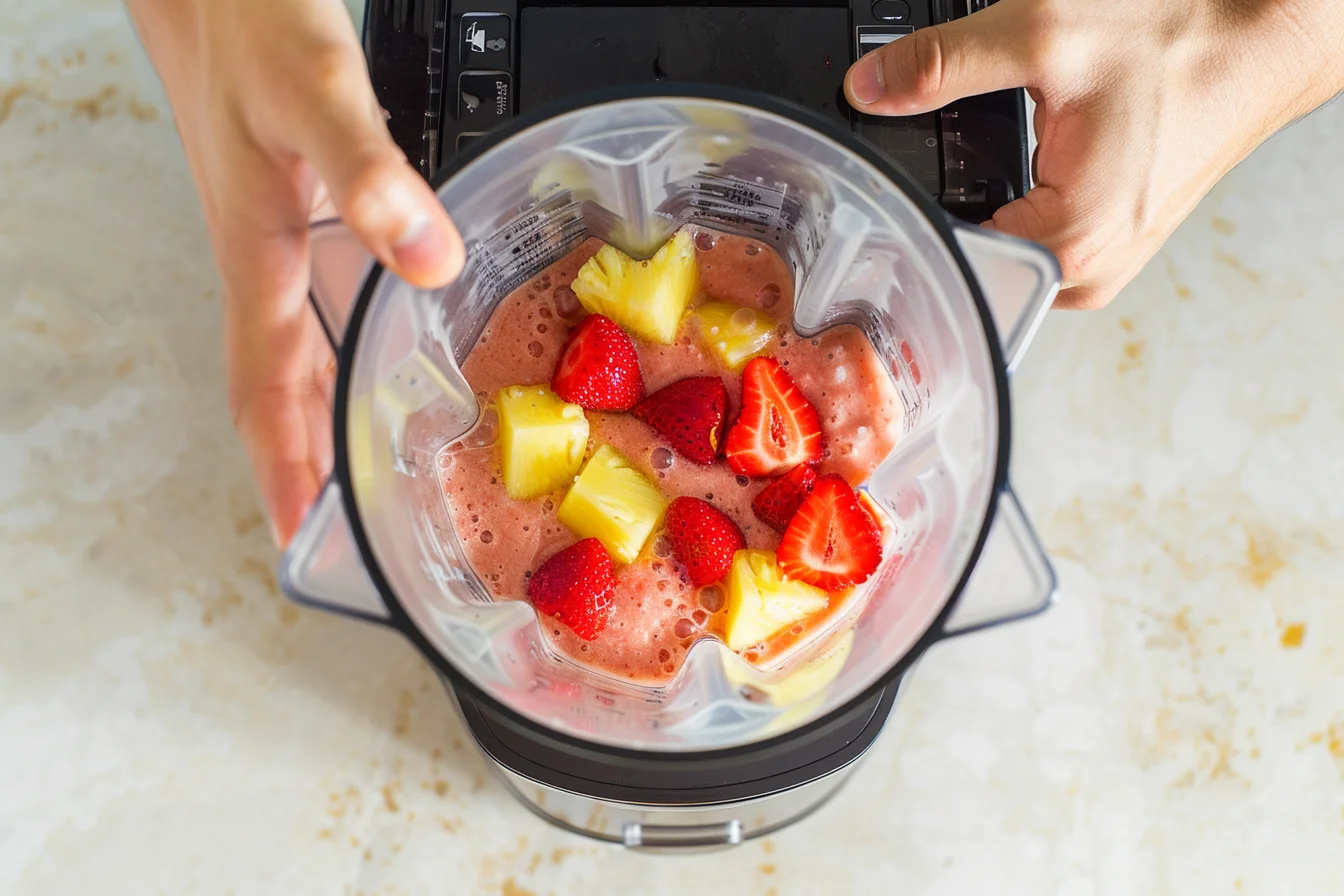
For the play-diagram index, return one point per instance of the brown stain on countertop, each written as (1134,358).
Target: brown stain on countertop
(1227,259)
(510,888)
(108,102)
(1133,356)
(1291,636)
(1222,225)
(1263,561)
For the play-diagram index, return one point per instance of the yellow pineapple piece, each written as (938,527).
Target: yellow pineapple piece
(648,298)
(614,503)
(761,601)
(732,333)
(804,681)
(542,440)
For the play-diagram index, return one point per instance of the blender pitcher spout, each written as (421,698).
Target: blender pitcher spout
(322,567)
(1020,281)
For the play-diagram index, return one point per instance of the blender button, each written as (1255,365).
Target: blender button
(891,10)
(464,140)
(484,99)
(486,40)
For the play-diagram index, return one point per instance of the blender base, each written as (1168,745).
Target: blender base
(668,801)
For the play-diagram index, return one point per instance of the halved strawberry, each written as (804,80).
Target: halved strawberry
(599,368)
(575,586)
(777,429)
(779,501)
(703,538)
(832,541)
(690,415)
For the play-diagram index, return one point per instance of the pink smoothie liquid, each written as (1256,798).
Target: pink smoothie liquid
(658,614)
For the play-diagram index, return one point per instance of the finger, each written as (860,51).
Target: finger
(339,128)
(983,52)
(274,392)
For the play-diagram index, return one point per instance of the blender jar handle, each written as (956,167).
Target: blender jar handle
(322,566)
(1019,280)
(1013,578)
(339,265)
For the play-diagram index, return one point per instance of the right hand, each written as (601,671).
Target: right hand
(1141,106)
(273,102)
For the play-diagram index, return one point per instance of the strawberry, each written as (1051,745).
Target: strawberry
(599,368)
(777,429)
(690,415)
(832,542)
(703,538)
(779,501)
(575,586)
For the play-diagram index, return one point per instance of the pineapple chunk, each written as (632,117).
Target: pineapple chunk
(761,601)
(648,298)
(614,503)
(541,438)
(733,333)
(802,682)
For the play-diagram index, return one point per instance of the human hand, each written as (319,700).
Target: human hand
(1140,108)
(273,102)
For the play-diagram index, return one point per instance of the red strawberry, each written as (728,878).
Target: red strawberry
(690,415)
(599,368)
(779,501)
(778,427)
(703,538)
(575,586)
(832,541)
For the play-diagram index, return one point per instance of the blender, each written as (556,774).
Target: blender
(725,751)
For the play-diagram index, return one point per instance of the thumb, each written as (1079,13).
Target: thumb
(379,196)
(983,52)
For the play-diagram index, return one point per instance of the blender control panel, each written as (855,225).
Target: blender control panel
(450,71)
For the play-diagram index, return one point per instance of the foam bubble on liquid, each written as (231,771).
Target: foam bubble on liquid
(684,628)
(769,295)
(484,433)
(661,458)
(535,349)
(704,242)
(711,598)
(566,301)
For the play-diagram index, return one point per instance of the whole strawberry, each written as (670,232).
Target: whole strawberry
(690,415)
(599,368)
(575,586)
(704,539)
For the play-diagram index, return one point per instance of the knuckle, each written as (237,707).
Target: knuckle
(333,69)
(922,65)
(1078,258)
(371,174)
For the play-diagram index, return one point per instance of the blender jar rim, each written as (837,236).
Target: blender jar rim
(399,619)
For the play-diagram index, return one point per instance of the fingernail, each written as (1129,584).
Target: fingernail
(275,536)
(421,248)
(865,80)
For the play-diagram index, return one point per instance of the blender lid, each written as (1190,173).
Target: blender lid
(333,563)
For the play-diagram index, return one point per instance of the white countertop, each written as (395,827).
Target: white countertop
(170,724)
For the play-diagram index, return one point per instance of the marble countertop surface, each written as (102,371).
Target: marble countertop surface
(170,724)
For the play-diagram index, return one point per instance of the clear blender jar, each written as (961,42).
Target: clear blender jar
(949,306)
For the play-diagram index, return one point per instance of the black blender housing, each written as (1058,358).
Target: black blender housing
(449,72)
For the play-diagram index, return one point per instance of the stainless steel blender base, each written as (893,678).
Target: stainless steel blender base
(673,828)
(666,802)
